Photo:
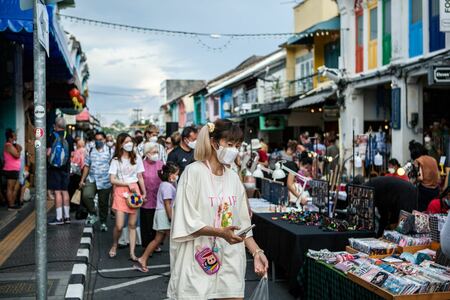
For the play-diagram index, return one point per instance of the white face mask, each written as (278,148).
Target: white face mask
(128,147)
(153,139)
(192,144)
(110,144)
(227,155)
(153,157)
(391,170)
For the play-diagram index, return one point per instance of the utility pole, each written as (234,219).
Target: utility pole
(40,145)
(138,112)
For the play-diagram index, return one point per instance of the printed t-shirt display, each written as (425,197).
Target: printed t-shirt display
(204,199)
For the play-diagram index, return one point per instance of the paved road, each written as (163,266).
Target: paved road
(124,283)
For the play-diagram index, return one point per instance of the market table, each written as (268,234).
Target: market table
(286,244)
(325,282)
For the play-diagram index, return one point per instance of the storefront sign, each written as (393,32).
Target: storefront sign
(444,15)
(39,112)
(396,109)
(438,75)
(70,119)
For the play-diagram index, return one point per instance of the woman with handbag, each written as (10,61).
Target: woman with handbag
(208,259)
(129,190)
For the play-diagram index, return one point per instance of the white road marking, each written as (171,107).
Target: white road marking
(133,282)
(129,269)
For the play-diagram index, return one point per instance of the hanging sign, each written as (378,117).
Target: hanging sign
(42,26)
(444,15)
(439,75)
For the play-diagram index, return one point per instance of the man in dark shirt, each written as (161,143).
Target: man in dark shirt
(183,155)
(58,177)
(392,194)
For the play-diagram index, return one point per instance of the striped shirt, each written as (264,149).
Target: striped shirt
(98,163)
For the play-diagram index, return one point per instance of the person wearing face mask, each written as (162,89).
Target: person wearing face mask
(126,176)
(183,155)
(151,135)
(209,208)
(152,165)
(110,142)
(393,167)
(95,181)
(165,196)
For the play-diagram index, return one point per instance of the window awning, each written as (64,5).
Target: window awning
(17,25)
(313,99)
(304,37)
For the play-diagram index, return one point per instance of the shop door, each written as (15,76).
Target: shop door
(437,38)
(415,28)
(332,52)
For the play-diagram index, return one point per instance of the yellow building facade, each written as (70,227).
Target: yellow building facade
(317,25)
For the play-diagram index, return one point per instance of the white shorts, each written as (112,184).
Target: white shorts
(161,221)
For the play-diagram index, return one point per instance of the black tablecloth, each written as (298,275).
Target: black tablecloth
(286,244)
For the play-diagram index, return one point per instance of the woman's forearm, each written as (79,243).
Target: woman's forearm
(209,231)
(251,245)
(116,182)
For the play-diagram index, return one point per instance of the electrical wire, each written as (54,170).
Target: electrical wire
(83,262)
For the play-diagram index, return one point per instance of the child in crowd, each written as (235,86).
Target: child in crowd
(163,214)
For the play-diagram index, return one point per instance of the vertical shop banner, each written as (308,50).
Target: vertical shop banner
(444,15)
(42,26)
(396,109)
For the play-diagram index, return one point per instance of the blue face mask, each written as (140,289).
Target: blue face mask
(99,144)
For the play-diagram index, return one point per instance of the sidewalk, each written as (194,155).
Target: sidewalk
(17,255)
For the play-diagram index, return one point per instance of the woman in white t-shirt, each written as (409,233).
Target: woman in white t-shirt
(126,176)
(207,257)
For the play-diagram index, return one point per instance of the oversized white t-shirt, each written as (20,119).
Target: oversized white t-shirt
(125,171)
(204,199)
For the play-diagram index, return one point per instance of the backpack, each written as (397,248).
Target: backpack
(59,154)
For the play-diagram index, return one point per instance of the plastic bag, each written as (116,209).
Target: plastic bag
(261,292)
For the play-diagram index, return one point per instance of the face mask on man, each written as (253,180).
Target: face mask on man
(192,144)
(153,139)
(227,155)
(99,144)
(128,147)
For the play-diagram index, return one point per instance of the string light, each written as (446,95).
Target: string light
(188,34)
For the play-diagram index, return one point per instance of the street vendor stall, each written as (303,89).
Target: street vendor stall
(286,243)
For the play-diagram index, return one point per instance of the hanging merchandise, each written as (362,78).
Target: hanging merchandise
(380,138)
(358,161)
(378,160)
(371,150)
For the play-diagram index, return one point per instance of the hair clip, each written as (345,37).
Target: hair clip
(211,127)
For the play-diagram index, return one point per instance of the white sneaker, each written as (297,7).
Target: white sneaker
(91,219)
(103,227)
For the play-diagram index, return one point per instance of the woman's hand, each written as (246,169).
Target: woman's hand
(131,188)
(144,197)
(261,264)
(229,235)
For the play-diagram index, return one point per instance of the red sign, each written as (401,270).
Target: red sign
(39,132)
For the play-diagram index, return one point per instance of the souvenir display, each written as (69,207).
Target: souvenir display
(407,240)
(372,246)
(405,222)
(421,222)
(361,207)
(437,222)
(303,218)
(319,193)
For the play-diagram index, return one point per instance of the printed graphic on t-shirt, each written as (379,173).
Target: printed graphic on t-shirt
(224,213)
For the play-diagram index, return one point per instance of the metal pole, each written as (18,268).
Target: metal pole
(41,162)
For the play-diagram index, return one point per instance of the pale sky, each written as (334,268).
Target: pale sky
(134,64)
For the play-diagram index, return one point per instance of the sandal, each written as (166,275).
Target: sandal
(140,267)
(133,258)
(112,253)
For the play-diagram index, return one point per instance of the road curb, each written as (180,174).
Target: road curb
(78,279)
